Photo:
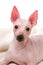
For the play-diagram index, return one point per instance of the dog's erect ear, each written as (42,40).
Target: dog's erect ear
(33,18)
(14,14)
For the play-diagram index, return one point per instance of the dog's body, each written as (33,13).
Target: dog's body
(24,50)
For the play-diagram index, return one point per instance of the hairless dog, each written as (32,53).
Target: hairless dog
(24,49)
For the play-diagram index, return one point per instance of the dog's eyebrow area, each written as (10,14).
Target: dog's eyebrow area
(21,23)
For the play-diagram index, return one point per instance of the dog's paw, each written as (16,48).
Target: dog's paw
(2,62)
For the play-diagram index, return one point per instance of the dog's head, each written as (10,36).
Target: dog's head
(22,28)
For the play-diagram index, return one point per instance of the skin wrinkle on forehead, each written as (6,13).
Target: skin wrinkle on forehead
(20,22)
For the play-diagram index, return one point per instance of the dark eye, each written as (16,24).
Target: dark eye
(16,27)
(27,29)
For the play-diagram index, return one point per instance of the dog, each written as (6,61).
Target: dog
(24,49)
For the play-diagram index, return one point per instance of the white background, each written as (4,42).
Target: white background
(25,7)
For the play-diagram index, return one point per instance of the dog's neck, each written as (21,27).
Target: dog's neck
(20,45)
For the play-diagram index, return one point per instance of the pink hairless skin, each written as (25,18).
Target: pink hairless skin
(24,49)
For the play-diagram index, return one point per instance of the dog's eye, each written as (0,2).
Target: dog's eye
(27,29)
(16,27)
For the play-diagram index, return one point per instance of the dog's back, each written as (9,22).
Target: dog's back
(37,42)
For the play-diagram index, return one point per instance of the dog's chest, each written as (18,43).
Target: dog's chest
(22,55)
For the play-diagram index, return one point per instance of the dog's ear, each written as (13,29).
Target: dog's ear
(33,18)
(14,14)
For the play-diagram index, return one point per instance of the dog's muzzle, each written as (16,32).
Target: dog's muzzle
(20,38)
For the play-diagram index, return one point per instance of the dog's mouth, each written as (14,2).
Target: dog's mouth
(20,38)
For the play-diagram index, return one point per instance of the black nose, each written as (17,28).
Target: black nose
(20,38)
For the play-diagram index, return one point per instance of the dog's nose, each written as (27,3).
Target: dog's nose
(20,38)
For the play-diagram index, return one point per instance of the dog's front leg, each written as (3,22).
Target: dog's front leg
(3,61)
(31,63)
(6,59)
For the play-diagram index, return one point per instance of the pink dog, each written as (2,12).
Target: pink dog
(24,50)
